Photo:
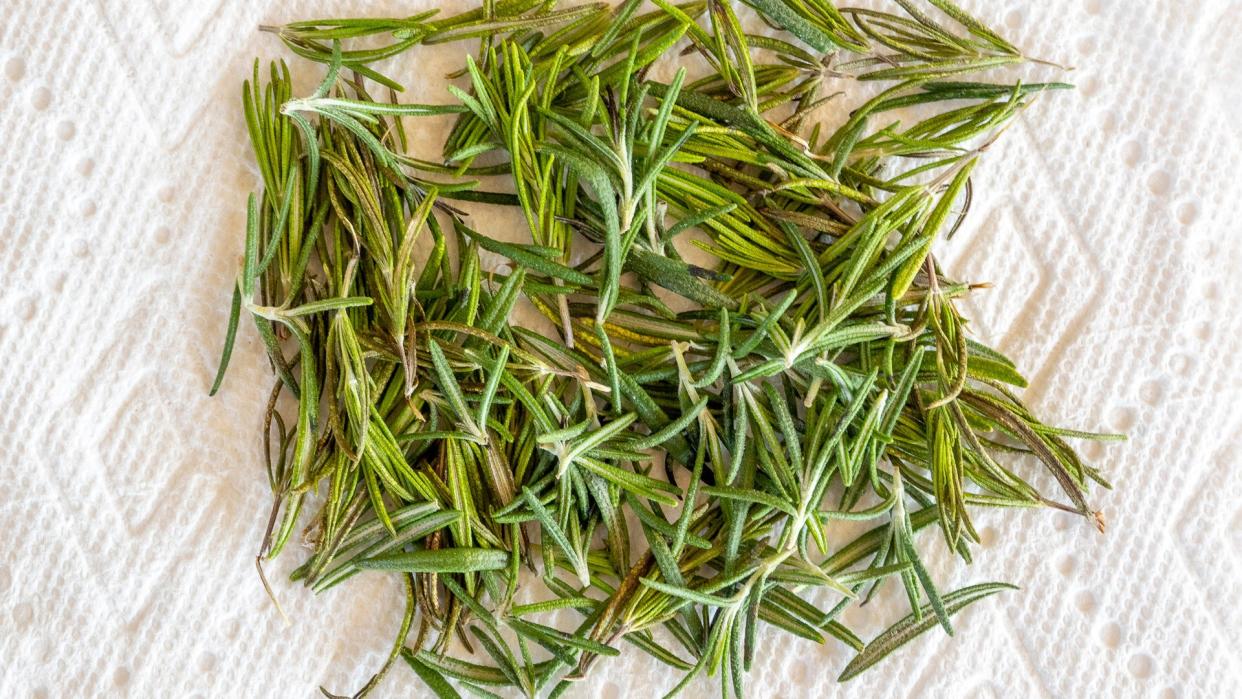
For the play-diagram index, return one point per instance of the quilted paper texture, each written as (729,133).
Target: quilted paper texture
(133,505)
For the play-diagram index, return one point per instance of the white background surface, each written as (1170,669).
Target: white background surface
(131,505)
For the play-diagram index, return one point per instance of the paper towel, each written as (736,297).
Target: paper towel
(132,504)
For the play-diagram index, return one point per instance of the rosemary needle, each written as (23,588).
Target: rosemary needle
(818,370)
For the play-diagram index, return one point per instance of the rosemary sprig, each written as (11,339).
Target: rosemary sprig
(746,302)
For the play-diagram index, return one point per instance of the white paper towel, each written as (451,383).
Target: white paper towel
(132,505)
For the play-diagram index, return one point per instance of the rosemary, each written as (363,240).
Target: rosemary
(744,297)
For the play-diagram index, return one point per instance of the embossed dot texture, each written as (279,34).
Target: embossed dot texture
(132,505)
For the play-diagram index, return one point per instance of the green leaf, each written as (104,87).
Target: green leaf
(687,594)
(230,336)
(553,532)
(528,260)
(575,641)
(250,262)
(452,391)
(433,679)
(672,429)
(788,19)
(452,560)
(584,445)
(911,626)
(746,495)
(335,304)
(676,276)
(493,384)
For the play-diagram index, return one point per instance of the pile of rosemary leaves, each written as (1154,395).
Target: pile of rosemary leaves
(748,338)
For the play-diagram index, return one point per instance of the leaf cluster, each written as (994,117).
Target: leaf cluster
(754,341)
